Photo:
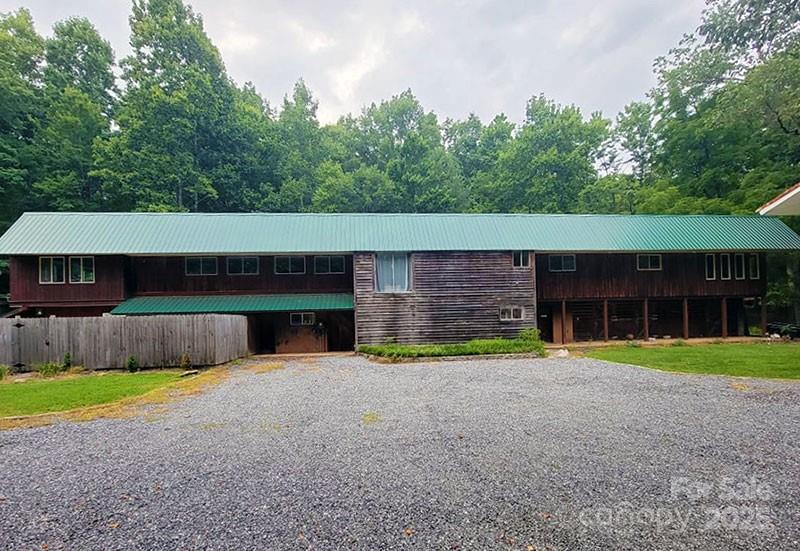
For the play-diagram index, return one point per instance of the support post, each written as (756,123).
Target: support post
(605,320)
(764,315)
(685,318)
(724,307)
(646,320)
(563,322)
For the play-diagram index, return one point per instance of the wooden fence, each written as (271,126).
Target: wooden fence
(107,342)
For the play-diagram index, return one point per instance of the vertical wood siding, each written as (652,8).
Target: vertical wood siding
(109,285)
(455,296)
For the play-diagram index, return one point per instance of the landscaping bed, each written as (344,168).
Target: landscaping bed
(527,343)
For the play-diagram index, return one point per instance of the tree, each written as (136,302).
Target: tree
(635,134)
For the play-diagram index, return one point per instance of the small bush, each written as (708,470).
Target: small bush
(678,342)
(67,361)
(755,331)
(5,371)
(530,334)
(185,361)
(49,369)
(633,344)
(132,364)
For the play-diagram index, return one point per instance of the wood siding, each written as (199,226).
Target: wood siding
(166,276)
(600,276)
(455,296)
(108,288)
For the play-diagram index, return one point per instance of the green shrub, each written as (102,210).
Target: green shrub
(633,344)
(132,364)
(5,371)
(185,361)
(49,369)
(531,334)
(679,342)
(755,331)
(528,342)
(67,361)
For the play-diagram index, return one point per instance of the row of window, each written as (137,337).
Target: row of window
(720,266)
(52,269)
(250,265)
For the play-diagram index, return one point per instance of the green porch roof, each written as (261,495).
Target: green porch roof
(202,233)
(233,304)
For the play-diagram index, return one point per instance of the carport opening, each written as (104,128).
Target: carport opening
(301,332)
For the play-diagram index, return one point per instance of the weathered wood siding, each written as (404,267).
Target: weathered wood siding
(600,276)
(455,296)
(108,288)
(166,276)
(107,342)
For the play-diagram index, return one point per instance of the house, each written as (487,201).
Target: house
(313,282)
(785,204)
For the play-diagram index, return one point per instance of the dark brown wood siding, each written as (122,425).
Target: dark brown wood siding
(599,276)
(166,276)
(455,296)
(108,288)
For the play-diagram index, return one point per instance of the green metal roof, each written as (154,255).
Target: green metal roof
(233,304)
(184,234)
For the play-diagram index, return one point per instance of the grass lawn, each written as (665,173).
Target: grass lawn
(44,396)
(780,360)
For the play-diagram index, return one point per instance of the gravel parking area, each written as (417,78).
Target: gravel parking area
(340,453)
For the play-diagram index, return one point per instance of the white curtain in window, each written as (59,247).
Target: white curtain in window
(392,272)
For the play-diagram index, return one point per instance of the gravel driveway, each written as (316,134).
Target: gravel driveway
(337,452)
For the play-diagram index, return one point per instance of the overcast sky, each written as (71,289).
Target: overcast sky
(458,56)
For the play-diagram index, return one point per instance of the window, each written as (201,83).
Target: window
(242,265)
(328,264)
(738,266)
(201,265)
(301,318)
(561,262)
(391,272)
(648,262)
(51,269)
(521,259)
(81,269)
(290,264)
(711,266)
(755,267)
(512,313)
(725,266)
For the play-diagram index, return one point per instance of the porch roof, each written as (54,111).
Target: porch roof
(234,304)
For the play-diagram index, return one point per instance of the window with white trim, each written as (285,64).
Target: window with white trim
(512,313)
(301,318)
(725,266)
(738,266)
(648,262)
(521,259)
(290,265)
(755,266)
(51,270)
(81,269)
(242,265)
(711,266)
(328,265)
(201,265)
(392,272)
(561,262)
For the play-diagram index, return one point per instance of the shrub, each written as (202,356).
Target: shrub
(185,361)
(530,334)
(67,361)
(528,342)
(755,331)
(633,344)
(132,364)
(5,371)
(49,369)
(679,342)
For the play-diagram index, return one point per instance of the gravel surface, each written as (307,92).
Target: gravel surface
(337,452)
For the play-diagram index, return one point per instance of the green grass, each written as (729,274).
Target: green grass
(38,396)
(778,360)
(471,348)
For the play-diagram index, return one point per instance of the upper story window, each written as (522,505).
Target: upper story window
(725,266)
(290,265)
(738,266)
(711,266)
(561,262)
(201,265)
(81,269)
(755,267)
(242,265)
(392,272)
(328,264)
(51,269)
(648,262)
(521,259)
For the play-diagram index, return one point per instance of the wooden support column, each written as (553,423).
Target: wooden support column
(724,308)
(764,315)
(563,322)
(685,318)
(605,320)
(646,320)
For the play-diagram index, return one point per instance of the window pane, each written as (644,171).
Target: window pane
(281,264)
(392,272)
(655,262)
(58,270)
(754,267)
(711,266)
(739,266)
(308,318)
(505,313)
(724,266)
(250,265)
(45,270)
(569,263)
(88,270)
(234,266)
(193,266)
(337,264)
(554,263)
(322,264)
(297,264)
(209,265)
(75,269)
(296,319)
(516,313)
(642,262)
